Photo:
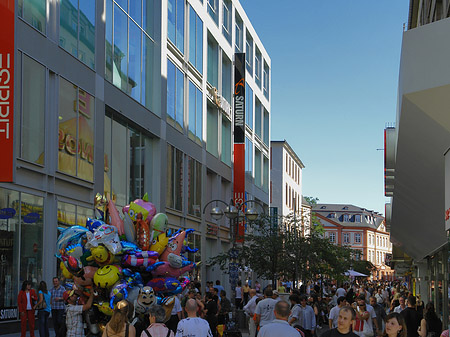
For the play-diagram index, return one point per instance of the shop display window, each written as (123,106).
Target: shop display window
(75,131)
(21,228)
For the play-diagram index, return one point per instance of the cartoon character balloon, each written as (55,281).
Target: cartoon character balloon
(140,206)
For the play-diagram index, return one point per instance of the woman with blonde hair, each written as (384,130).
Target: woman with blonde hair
(118,325)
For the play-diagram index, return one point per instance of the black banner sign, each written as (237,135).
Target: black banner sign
(239,98)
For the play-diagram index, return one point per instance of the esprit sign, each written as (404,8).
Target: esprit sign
(6,89)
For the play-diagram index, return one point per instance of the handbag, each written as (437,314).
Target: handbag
(367,329)
(42,305)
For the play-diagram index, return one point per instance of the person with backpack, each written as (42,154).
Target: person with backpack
(157,328)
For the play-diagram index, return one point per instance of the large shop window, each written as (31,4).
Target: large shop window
(75,131)
(226,23)
(21,244)
(226,78)
(32,137)
(194,187)
(212,131)
(175,19)
(195,40)
(129,49)
(174,193)
(213,62)
(248,106)
(34,12)
(70,214)
(195,113)
(77,29)
(175,96)
(226,141)
(248,158)
(128,161)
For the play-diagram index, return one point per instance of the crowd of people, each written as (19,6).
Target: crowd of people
(364,310)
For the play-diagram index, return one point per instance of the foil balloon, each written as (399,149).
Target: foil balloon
(129,247)
(160,243)
(143,234)
(67,274)
(174,246)
(114,218)
(167,303)
(87,278)
(74,266)
(146,298)
(159,224)
(118,292)
(107,276)
(164,285)
(107,235)
(140,206)
(104,307)
(130,232)
(93,224)
(75,250)
(163,269)
(175,261)
(71,235)
(140,259)
(101,256)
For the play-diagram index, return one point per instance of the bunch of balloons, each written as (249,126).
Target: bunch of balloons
(130,256)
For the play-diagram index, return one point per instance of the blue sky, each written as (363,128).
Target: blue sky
(335,67)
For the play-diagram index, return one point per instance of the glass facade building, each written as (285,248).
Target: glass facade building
(123,98)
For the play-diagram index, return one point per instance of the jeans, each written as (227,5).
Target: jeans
(43,323)
(58,321)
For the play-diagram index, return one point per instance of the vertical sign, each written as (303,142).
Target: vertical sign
(6,89)
(239,137)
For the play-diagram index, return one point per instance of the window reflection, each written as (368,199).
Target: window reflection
(34,12)
(120,49)
(134,67)
(174,191)
(194,187)
(33,111)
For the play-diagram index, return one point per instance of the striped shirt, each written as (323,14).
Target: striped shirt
(57,293)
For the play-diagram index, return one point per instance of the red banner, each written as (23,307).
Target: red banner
(6,89)
(239,185)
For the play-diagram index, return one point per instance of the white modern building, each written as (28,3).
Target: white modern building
(417,165)
(134,97)
(286,196)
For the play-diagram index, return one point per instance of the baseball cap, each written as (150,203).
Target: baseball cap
(67,294)
(275,292)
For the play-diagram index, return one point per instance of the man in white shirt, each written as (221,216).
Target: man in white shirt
(249,309)
(372,322)
(264,309)
(193,325)
(334,312)
(279,326)
(175,315)
(402,305)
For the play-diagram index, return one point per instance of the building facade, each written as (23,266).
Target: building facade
(124,98)
(362,230)
(416,156)
(286,196)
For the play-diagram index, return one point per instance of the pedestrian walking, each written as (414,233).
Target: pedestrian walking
(279,326)
(345,321)
(44,308)
(249,309)
(193,325)
(431,324)
(26,299)
(264,309)
(57,305)
(411,316)
(239,299)
(395,326)
(308,318)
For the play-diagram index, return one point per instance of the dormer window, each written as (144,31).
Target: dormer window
(323,207)
(332,215)
(345,207)
(357,218)
(345,218)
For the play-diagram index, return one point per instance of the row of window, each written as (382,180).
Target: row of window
(256,165)
(183,184)
(381,241)
(293,199)
(292,169)
(345,217)
(346,237)
(380,257)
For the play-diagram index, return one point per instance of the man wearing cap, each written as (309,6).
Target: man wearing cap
(276,295)
(74,311)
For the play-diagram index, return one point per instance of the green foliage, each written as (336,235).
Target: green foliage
(290,251)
